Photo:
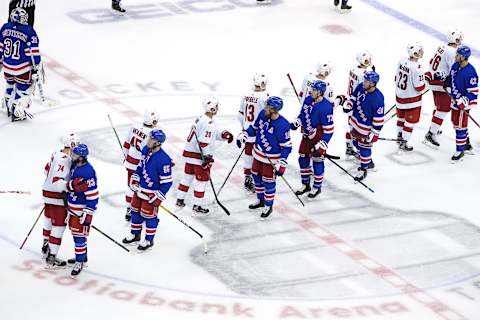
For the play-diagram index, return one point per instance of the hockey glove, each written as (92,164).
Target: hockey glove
(156,199)
(340,100)
(462,103)
(295,124)
(86,218)
(440,75)
(280,167)
(135,182)
(348,107)
(77,185)
(241,139)
(320,148)
(428,76)
(227,136)
(34,75)
(207,162)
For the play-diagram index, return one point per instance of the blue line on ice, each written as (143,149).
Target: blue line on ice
(412,22)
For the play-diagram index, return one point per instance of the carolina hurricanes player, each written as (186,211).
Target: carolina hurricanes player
(323,71)
(198,162)
(355,77)
(54,188)
(250,106)
(440,66)
(410,86)
(132,149)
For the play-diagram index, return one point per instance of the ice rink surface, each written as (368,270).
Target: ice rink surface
(411,250)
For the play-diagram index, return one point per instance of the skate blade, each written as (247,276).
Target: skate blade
(200,215)
(428,144)
(53,268)
(456,161)
(145,250)
(470,152)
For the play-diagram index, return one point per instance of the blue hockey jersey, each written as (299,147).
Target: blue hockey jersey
(272,138)
(77,201)
(367,111)
(18,43)
(463,82)
(318,116)
(155,171)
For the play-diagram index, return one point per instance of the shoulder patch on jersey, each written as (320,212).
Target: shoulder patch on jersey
(473,81)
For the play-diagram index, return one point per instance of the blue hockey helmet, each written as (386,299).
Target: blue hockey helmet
(371,76)
(320,86)
(464,51)
(158,135)
(19,15)
(274,103)
(80,151)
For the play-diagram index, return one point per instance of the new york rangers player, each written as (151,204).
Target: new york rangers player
(367,106)
(81,204)
(132,149)
(150,183)
(197,167)
(57,182)
(462,84)
(409,88)
(355,78)
(18,45)
(250,106)
(270,153)
(316,120)
(440,66)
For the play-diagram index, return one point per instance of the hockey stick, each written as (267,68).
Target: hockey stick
(209,178)
(15,191)
(390,139)
(231,170)
(205,248)
(38,83)
(283,178)
(116,134)
(110,238)
(345,170)
(299,101)
(31,229)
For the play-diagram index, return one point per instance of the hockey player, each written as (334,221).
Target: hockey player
(116,7)
(81,204)
(270,153)
(150,183)
(367,104)
(409,89)
(323,71)
(199,161)
(56,183)
(440,66)
(132,149)
(316,120)
(462,84)
(355,78)
(250,106)
(28,5)
(18,45)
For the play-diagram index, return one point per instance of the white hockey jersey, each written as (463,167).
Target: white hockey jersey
(250,106)
(442,62)
(133,145)
(410,84)
(307,86)
(355,77)
(58,173)
(207,133)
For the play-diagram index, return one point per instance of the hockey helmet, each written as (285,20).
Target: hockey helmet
(275,103)
(455,36)
(19,15)
(158,135)
(464,51)
(372,77)
(150,118)
(211,104)
(80,151)
(259,80)
(364,58)
(71,140)
(324,69)
(319,86)
(415,50)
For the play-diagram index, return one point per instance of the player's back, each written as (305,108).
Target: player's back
(57,171)
(355,77)
(20,42)
(137,139)
(442,61)
(410,83)
(252,103)
(78,200)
